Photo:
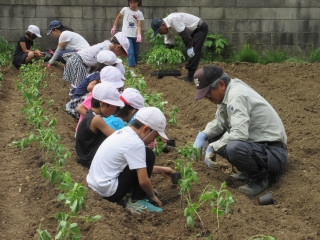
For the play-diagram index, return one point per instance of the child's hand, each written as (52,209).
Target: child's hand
(113,30)
(139,38)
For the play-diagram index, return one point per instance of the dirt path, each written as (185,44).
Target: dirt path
(28,200)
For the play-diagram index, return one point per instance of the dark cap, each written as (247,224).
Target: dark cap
(53,25)
(204,77)
(155,25)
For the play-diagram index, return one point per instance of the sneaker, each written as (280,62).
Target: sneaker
(254,187)
(135,207)
(152,208)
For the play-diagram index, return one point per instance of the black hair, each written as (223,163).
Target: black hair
(114,40)
(95,103)
(139,1)
(31,35)
(137,124)
(125,111)
(97,68)
(64,28)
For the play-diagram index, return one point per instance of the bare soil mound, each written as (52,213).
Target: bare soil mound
(28,200)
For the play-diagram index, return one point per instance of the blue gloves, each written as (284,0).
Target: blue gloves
(210,158)
(201,141)
(190,52)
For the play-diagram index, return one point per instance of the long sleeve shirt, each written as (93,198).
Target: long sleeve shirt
(246,116)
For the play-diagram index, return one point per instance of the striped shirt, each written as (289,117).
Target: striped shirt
(89,55)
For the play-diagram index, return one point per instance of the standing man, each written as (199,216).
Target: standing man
(247,131)
(193,32)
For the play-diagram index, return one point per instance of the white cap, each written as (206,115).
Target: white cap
(35,30)
(122,69)
(108,94)
(112,75)
(153,118)
(132,97)
(123,40)
(108,57)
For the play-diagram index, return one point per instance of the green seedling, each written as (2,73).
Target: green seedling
(43,234)
(173,115)
(216,42)
(261,237)
(190,152)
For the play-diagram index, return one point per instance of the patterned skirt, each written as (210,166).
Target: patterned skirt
(73,104)
(75,70)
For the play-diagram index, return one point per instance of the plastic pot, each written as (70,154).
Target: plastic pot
(175,177)
(163,73)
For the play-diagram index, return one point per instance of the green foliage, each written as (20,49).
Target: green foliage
(273,57)
(216,45)
(295,60)
(173,116)
(158,146)
(163,58)
(43,234)
(261,237)
(155,100)
(314,55)
(6,51)
(190,152)
(248,54)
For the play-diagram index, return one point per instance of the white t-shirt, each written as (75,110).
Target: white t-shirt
(176,23)
(89,55)
(75,40)
(123,148)
(130,21)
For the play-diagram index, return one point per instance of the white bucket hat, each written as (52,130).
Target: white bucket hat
(153,118)
(132,97)
(35,30)
(108,57)
(123,40)
(112,75)
(107,93)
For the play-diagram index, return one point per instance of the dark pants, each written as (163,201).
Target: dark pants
(258,160)
(128,181)
(198,38)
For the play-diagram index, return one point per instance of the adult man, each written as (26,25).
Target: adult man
(247,130)
(123,164)
(193,32)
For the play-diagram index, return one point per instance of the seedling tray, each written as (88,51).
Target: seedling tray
(163,73)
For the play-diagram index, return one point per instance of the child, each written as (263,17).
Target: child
(123,164)
(132,28)
(104,58)
(93,130)
(69,41)
(24,53)
(133,101)
(79,63)
(110,75)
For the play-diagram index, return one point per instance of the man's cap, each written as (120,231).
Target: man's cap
(35,30)
(107,93)
(123,40)
(204,77)
(108,57)
(53,25)
(153,118)
(155,25)
(112,75)
(133,97)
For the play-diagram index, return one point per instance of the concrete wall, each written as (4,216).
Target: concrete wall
(268,24)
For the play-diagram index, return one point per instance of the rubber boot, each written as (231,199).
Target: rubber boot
(240,176)
(189,77)
(255,186)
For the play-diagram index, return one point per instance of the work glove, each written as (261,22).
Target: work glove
(201,141)
(139,38)
(113,30)
(210,158)
(49,65)
(190,52)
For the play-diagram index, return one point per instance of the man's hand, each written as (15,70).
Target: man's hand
(210,158)
(201,141)
(139,38)
(190,52)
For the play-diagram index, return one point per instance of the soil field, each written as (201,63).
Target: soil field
(28,200)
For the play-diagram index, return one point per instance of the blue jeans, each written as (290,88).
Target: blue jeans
(60,58)
(133,52)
